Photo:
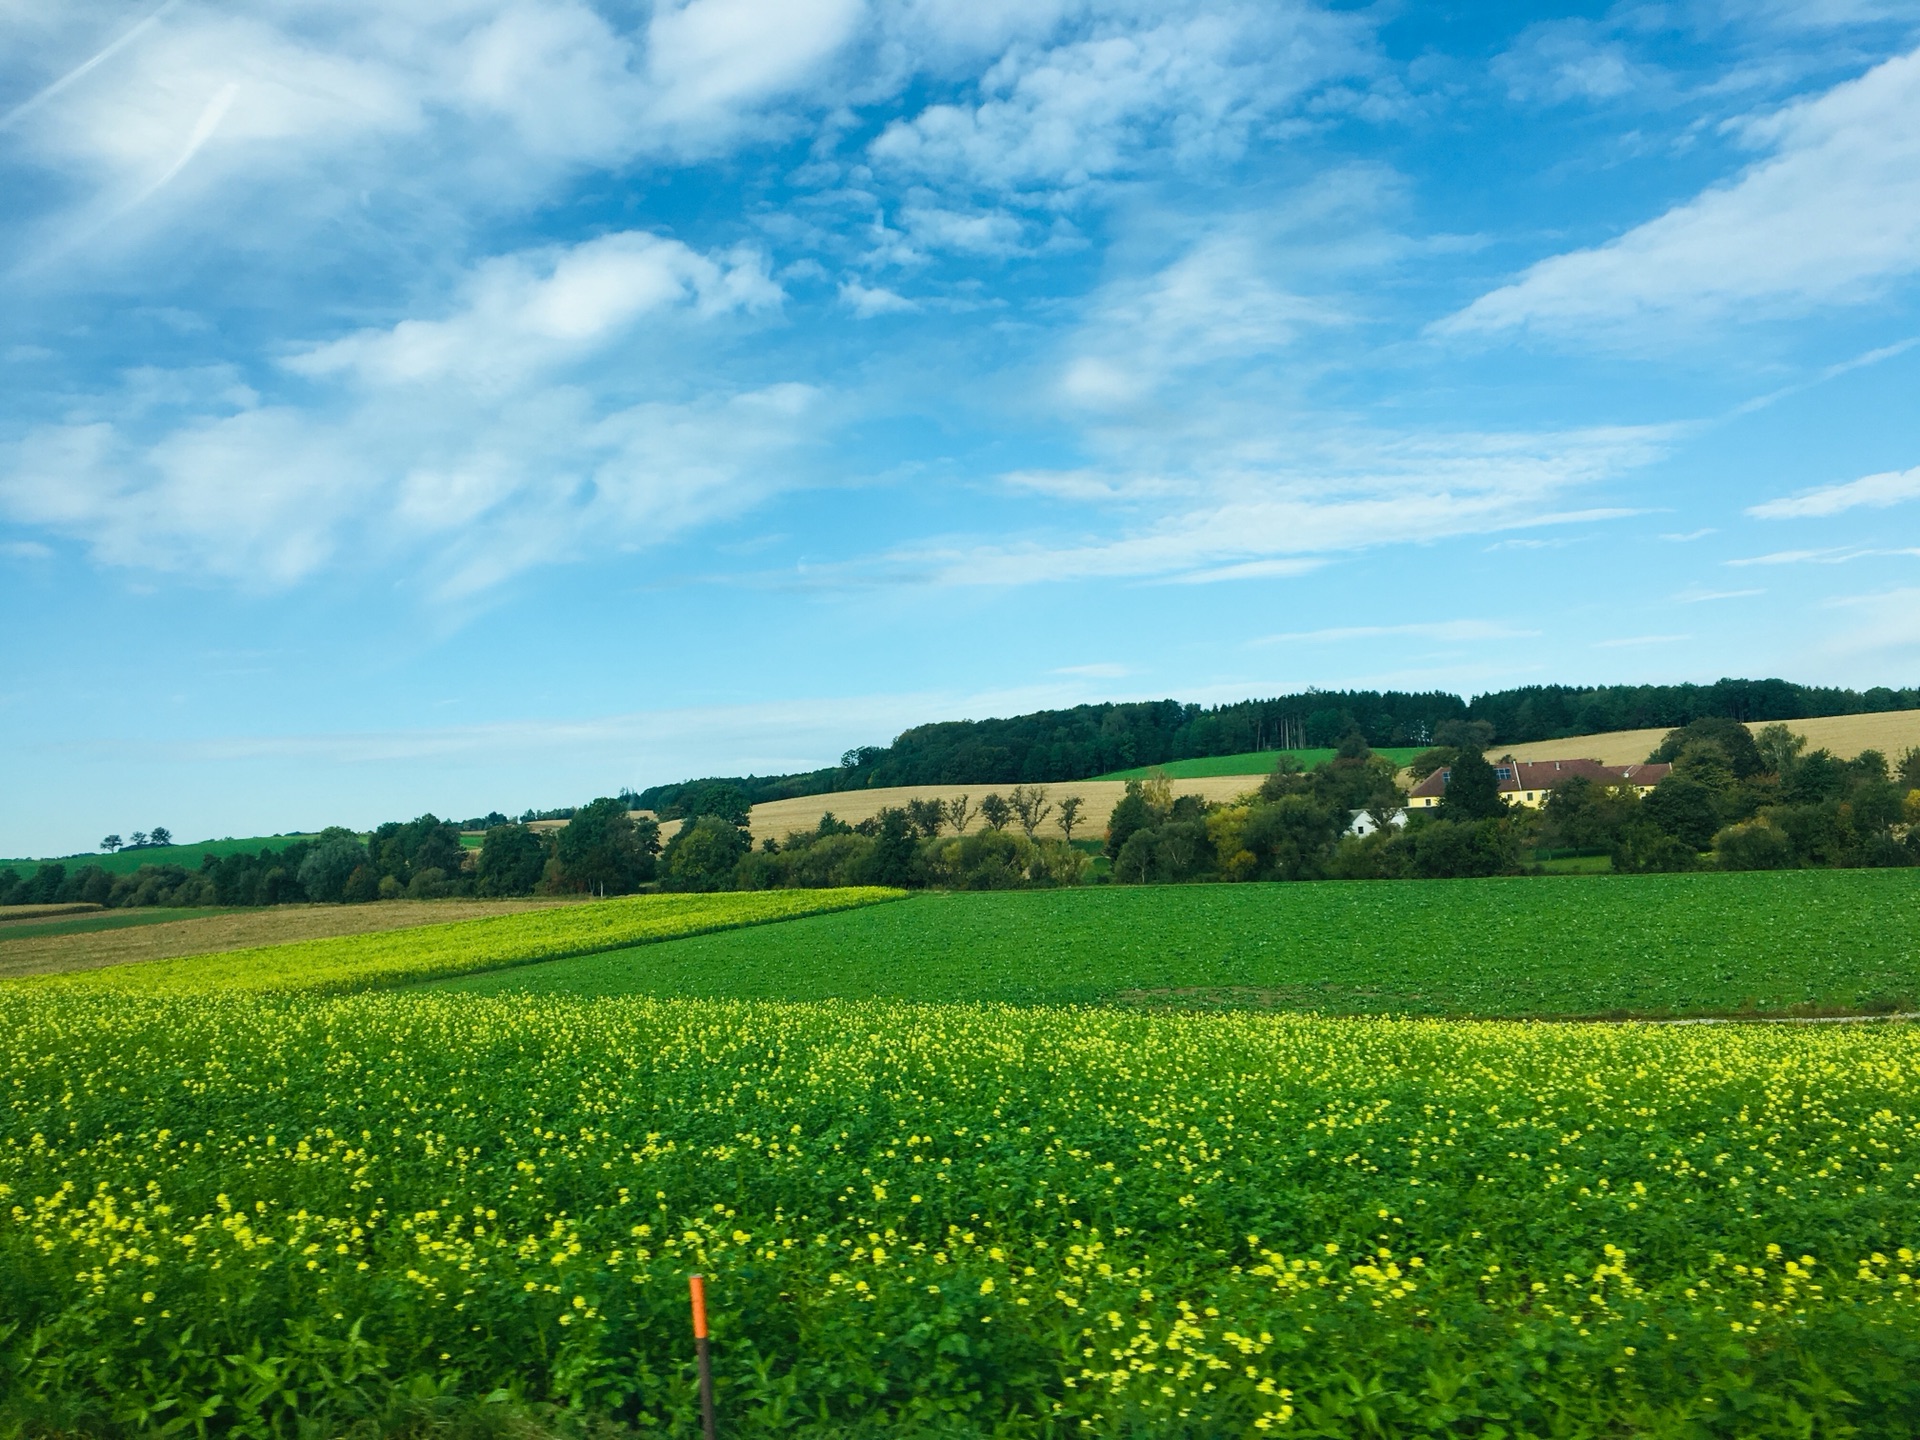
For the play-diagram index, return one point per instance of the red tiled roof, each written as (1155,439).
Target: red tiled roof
(1539,775)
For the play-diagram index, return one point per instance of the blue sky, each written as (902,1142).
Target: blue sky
(466,405)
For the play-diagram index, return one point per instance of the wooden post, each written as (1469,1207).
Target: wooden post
(697,1288)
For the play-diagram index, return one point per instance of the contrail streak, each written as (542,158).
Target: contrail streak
(27,106)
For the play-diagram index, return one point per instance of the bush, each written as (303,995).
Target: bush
(1647,850)
(1462,849)
(1755,845)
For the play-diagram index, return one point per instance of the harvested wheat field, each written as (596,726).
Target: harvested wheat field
(46,954)
(778,817)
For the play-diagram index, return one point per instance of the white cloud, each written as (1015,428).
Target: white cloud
(520,311)
(1699,595)
(1180,89)
(867,301)
(1216,302)
(1832,555)
(1629,642)
(1875,491)
(1335,494)
(1462,631)
(464,444)
(1562,60)
(458,102)
(1832,216)
(711,59)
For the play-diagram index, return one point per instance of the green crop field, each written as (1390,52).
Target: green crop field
(125,862)
(1254,762)
(234,1204)
(1821,940)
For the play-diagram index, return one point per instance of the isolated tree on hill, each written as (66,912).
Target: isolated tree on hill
(959,812)
(1779,748)
(139,838)
(1030,806)
(1070,807)
(160,836)
(1473,790)
(996,811)
(927,816)
(111,843)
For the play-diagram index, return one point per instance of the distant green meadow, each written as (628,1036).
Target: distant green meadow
(1576,945)
(125,862)
(1254,762)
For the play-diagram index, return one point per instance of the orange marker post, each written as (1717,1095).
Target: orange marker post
(697,1288)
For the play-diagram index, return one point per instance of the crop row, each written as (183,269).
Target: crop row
(272,1212)
(426,952)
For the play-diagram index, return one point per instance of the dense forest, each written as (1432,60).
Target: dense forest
(1088,740)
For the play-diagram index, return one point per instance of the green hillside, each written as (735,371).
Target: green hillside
(125,862)
(1253,762)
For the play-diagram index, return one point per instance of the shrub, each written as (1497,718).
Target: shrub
(1755,845)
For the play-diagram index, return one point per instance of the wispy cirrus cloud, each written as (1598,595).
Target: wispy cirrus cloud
(1769,242)
(1870,491)
(1464,631)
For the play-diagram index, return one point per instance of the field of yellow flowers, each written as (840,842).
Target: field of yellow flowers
(431,952)
(273,1215)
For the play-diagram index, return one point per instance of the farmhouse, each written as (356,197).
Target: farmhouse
(1529,782)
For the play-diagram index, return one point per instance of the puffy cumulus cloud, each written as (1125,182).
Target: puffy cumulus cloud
(1872,491)
(552,304)
(1830,217)
(471,446)
(1336,494)
(1129,88)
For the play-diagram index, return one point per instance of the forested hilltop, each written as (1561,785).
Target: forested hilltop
(1089,740)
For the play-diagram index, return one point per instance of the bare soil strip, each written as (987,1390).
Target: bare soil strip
(48,954)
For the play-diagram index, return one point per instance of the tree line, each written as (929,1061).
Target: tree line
(1089,740)
(1732,801)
